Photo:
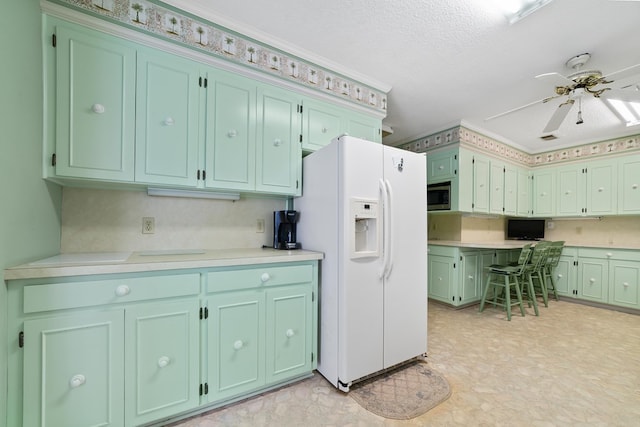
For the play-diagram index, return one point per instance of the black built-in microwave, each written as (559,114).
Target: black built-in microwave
(439,196)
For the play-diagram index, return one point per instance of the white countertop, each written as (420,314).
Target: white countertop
(516,244)
(80,264)
(506,244)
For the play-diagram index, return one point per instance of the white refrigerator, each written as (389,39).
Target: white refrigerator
(364,205)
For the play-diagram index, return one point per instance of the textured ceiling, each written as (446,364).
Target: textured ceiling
(454,62)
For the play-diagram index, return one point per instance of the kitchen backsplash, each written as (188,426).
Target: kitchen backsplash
(620,231)
(111,220)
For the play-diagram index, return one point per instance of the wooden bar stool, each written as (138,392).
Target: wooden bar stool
(503,279)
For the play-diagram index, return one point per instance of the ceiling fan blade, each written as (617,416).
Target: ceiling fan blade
(627,95)
(513,110)
(558,116)
(623,73)
(555,79)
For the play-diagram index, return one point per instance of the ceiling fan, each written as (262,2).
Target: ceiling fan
(581,83)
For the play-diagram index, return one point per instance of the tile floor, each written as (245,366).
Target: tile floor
(574,365)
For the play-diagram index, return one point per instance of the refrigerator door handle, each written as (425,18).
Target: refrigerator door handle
(385,207)
(388,221)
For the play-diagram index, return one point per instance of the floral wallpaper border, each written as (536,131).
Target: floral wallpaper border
(153,16)
(468,137)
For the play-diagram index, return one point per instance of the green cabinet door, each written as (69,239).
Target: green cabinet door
(510,190)
(162,360)
(442,166)
(321,123)
(278,153)
(543,192)
(236,344)
(166,119)
(602,193)
(593,275)
(74,370)
(471,278)
(289,332)
(524,193)
(565,275)
(230,132)
(624,283)
(481,182)
(496,187)
(441,277)
(95,105)
(570,190)
(629,185)
(364,127)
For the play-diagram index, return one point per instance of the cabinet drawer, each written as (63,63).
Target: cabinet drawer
(59,296)
(246,278)
(610,253)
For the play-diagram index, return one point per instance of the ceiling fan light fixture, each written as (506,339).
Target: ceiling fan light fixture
(526,8)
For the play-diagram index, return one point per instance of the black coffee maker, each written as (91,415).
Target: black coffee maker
(284,229)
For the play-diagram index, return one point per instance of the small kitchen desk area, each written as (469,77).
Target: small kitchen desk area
(146,337)
(457,269)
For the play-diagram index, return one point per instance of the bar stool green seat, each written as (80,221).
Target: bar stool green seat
(553,257)
(534,276)
(503,280)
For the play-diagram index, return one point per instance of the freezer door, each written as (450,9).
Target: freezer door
(361,291)
(405,286)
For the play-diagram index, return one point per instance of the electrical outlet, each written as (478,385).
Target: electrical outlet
(260,225)
(148,225)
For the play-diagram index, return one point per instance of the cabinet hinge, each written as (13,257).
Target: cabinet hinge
(54,40)
(54,159)
(21,339)
(204,313)
(459,298)
(455,157)
(504,170)
(301,109)
(313,296)
(473,161)
(200,81)
(300,137)
(454,265)
(204,389)
(455,171)
(206,82)
(453,299)
(311,357)
(204,175)
(297,183)
(460,257)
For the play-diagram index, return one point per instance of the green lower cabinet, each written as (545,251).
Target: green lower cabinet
(456,275)
(288,332)
(162,360)
(236,344)
(593,275)
(565,274)
(441,279)
(74,370)
(624,285)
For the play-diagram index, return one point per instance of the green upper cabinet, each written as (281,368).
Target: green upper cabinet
(543,192)
(167,119)
(442,166)
(510,190)
(321,122)
(524,192)
(496,187)
(570,190)
(94,104)
(601,188)
(364,127)
(481,183)
(629,185)
(231,131)
(278,151)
